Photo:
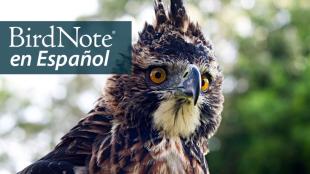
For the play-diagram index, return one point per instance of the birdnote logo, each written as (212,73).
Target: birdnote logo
(19,39)
(97,47)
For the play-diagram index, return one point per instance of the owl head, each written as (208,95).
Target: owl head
(175,85)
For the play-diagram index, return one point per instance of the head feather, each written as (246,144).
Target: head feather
(160,12)
(177,15)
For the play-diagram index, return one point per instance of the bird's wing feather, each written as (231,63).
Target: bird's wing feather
(75,147)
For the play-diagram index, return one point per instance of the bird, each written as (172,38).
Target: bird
(159,118)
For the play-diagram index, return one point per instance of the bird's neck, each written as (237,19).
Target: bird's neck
(159,147)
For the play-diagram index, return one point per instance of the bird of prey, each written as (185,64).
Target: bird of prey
(159,118)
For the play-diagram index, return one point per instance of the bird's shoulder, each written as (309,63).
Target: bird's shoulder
(78,142)
(75,148)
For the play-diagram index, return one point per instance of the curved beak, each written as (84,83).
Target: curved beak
(191,85)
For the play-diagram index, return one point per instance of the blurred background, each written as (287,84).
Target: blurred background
(262,45)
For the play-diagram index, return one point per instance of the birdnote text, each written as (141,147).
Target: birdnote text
(19,38)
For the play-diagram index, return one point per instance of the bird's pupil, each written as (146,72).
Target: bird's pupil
(158,75)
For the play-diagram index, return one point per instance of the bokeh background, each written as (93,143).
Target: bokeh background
(262,45)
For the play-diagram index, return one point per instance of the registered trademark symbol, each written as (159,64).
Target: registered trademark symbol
(113,32)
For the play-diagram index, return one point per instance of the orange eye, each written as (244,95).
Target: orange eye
(204,83)
(158,75)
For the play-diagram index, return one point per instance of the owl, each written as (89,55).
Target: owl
(159,118)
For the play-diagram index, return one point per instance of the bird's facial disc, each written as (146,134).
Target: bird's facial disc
(178,113)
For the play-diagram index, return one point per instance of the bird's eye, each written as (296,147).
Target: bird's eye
(204,83)
(158,75)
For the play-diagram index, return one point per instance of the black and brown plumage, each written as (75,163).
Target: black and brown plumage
(157,119)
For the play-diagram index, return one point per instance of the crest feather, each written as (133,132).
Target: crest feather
(160,12)
(177,14)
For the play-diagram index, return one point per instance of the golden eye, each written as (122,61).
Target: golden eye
(158,75)
(204,83)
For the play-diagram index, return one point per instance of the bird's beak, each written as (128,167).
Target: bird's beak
(191,84)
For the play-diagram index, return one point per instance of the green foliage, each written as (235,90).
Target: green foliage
(270,128)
